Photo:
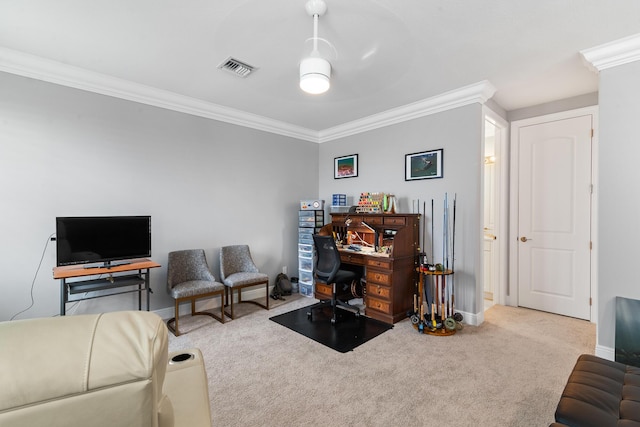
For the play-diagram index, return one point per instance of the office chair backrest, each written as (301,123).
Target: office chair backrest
(328,258)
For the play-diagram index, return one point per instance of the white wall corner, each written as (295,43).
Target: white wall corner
(612,54)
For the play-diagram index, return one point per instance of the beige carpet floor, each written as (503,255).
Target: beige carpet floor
(509,371)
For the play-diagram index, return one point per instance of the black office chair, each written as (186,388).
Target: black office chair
(327,270)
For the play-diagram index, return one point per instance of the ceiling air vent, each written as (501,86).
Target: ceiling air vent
(236,67)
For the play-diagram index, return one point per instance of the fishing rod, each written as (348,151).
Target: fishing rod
(445,227)
(453,256)
(445,255)
(424,233)
(433,251)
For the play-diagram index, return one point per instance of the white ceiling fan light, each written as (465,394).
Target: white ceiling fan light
(315,71)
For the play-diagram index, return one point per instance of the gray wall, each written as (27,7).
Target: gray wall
(381,156)
(619,201)
(586,100)
(206,184)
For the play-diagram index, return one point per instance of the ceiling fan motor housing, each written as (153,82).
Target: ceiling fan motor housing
(315,75)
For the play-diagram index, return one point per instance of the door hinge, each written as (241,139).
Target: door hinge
(591,188)
(591,245)
(591,133)
(590,301)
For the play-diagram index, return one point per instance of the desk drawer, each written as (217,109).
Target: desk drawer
(351,258)
(401,220)
(373,220)
(378,291)
(324,290)
(379,305)
(379,263)
(382,278)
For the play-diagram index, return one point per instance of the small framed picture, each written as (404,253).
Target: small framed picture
(423,165)
(345,166)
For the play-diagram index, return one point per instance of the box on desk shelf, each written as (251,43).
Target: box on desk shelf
(311,205)
(339,209)
(339,200)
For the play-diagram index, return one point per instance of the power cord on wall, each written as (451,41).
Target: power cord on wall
(34,277)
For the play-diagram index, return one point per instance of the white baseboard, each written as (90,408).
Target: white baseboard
(472,319)
(605,352)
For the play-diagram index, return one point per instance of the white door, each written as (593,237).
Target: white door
(490,213)
(554,216)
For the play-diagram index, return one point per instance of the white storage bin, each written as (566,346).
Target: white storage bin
(306,248)
(306,239)
(306,276)
(306,289)
(305,263)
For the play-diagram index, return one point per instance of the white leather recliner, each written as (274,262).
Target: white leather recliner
(110,369)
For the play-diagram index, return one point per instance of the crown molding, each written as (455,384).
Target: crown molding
(26,65)
(612,54)
(479,92)
(32,66)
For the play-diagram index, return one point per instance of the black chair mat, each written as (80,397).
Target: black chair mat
(348,332)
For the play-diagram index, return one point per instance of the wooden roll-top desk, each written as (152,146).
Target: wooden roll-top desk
(390,271)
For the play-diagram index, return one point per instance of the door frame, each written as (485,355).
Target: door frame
(512,291)
(502,213)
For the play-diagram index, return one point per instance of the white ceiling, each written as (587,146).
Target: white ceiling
(385,53)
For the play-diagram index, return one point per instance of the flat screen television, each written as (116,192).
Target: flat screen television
(102,239)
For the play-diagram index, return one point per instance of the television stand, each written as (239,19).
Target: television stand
(121,278)
(107,265)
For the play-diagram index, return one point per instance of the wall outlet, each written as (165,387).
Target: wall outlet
(284,269)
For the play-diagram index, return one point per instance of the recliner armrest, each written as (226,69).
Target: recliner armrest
(186,385)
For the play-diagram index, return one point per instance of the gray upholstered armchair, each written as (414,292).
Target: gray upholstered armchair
(189,279)
(238,271)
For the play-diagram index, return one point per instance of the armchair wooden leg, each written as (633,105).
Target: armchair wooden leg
(229,296)
(174,328)
(222,307)
(233,316)
(177,310)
